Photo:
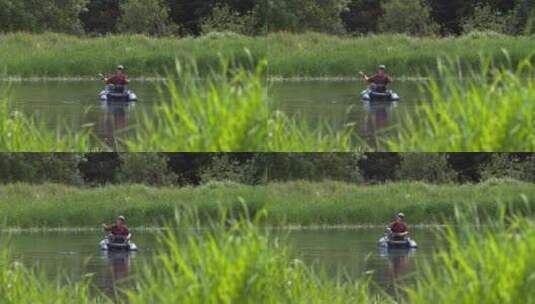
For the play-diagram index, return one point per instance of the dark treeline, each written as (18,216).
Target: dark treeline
(249,168)
(194,17)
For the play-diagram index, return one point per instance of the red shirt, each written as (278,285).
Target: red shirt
(398,227)
(380,80)
(119,230)
(118,79)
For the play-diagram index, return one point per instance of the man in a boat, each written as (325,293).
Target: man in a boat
(119,79)
(379,81)
(398,228)
(118,231)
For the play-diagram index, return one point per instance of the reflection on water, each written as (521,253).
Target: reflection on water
(76,103)
(118,271)
(399,265)
(339,103)
(114,120)
(351,252)
(377,118)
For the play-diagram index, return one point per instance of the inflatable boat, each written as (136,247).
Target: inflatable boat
(117,93)
(370,95)
(114,243)
(394,241)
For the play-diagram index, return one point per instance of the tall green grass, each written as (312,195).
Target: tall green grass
(289,55)
(20,284)
(234,262)
(292,203)
(489,110)
(228,111)
(489,263)
(21,133)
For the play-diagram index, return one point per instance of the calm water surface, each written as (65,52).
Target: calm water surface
(351,252)
(75,104)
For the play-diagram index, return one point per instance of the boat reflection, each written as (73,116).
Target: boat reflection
(118,269)
(115,118)
(398,266)
(377,117)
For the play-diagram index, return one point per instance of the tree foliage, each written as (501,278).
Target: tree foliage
(225,19)
(146,17)
(426,167)
(411,17)
(40,168)
(42,15)
(145,168)
(485,18)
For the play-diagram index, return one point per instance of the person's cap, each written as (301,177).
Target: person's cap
(401,215)
(120,67)
(382,67)
(122,218)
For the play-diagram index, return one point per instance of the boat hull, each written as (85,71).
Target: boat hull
(369,95)
(386,242)
(106,245)
(127,96)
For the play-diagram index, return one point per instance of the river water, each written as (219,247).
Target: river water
(347,252)
(75,104)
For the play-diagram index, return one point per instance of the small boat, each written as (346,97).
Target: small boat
(117,93)
(388,95)
(115,243)
(396,241)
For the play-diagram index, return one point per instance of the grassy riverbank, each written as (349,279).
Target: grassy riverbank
(293,203)
(288,55)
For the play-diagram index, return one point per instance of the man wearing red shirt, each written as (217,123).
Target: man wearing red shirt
(379,81)
(398,227)
(119,79)
(119,230)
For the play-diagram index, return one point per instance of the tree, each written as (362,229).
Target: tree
(40,168)
(305,15)
(223,168)
(502,165)
(42,15)
(14,17)
(485,18)
(145,168)
(362,16)
(411,17)
(224,19)
(426,167)
(146,17)
(101,16)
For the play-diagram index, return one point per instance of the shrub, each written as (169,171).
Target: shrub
(42,15)
(427,167)
(407,16)
(503,165)
(40,168)
(223,168)
(305,15)
(224,19)
(485,18)
(145,168)
(146,17)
